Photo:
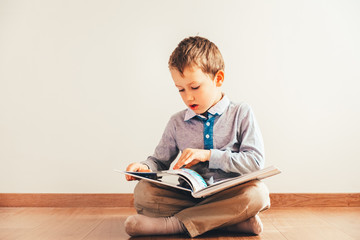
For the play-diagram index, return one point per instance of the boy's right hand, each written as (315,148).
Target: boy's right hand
(136,167)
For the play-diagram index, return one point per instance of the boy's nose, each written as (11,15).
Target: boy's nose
(189,97)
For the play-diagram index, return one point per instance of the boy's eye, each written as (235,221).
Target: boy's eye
(181,90)
(195,87)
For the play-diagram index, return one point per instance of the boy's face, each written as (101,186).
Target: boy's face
(198,90)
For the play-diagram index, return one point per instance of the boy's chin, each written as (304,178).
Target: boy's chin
(199,112)
(195,108)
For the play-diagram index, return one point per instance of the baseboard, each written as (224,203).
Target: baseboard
(315,199)
(127,200)
(65,200)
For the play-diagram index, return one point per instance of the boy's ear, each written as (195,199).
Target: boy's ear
(219,78)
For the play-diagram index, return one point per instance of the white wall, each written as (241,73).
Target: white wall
(84,87)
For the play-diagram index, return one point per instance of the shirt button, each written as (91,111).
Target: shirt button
(207,136)
(207,124)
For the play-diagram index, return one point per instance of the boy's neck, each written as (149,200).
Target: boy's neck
(205,114)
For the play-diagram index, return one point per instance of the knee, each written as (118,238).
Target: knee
(258,197)
(144,194)
(142,189)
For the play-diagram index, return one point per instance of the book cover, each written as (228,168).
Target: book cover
(197,185)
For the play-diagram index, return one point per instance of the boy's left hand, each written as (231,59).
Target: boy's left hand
(190,157)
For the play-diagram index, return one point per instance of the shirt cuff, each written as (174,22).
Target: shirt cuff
(151,165)
(215,161)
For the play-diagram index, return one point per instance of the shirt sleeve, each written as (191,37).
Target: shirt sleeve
(251,155)
(166,151)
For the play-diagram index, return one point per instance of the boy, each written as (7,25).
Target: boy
(218,139)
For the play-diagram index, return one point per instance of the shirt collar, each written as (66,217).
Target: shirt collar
(219,108)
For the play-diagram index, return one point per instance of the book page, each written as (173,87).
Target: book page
(171,180)
(227,183)
(193,178)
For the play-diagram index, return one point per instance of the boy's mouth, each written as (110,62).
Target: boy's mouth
(194,106)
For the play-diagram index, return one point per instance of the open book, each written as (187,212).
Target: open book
(197,185)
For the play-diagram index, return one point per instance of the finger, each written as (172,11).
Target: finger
(181,162)
(134,167)
(188,163)
(188,158)
(129,178)
(192,163)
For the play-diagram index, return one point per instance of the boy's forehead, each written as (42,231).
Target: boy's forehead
(189,74)
(192,69)
(185,79)
(177,71)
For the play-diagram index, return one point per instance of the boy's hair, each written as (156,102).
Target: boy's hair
(197,51)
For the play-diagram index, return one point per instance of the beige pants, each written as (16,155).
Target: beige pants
(222,209)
